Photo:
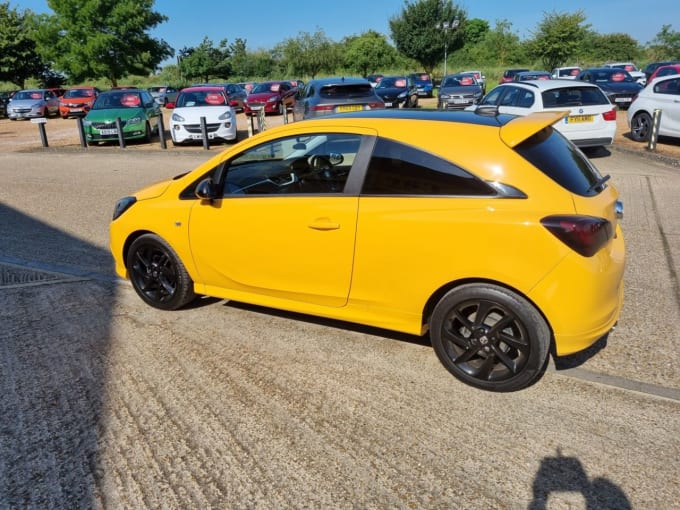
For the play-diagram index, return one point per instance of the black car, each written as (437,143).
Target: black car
(459,91)
(619,86)
(398,91)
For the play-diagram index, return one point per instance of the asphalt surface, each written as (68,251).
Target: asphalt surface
(108,403)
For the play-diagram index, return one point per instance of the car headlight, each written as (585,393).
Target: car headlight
(225,116)
(134,120)
(444,96)
(272,99)
(123,205)
(87,123)
(403,94)
(177,117)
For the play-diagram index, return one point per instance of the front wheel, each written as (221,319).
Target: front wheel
(641,127)
(490,337)
(157,274)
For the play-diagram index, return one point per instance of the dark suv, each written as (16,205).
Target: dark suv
(335,95)
(423,83)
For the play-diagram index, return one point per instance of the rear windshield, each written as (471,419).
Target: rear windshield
(574,96)
(353,90)
(562,161)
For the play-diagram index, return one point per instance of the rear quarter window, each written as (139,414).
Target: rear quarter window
(562,161)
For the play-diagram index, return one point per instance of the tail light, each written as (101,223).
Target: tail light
(323,107)
(376,105)
(585,235)
(610,115)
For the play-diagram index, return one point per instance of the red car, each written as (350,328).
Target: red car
(664,71)
(272,96)
(509,74)
(77,101)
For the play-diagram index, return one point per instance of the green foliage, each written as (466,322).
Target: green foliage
(205,61)
(602,48)
(558,38)
(419,31)
(19,59)
(90,39)
(309,54)
(368,53)
(497,47)
(666,45)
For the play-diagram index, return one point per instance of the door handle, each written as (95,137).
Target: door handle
(324,224)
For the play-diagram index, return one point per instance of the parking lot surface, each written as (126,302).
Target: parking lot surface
(107,403)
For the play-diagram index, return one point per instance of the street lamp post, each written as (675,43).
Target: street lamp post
(446,26)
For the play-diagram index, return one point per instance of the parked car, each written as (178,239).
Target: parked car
(532,75)
(631,68)
(247,85)
(459,91)
(32,103)
(164,94)
(325,96)
(77,101)
(663,94)
(664,71)
(509,74)
(57,91)
(565,73)
(210,102)
(374,79)
(479,76)
(423,83)
(618,84)
(394,219)
(396,91)
(592,118)
(236,94)
(272,96)
(649,70)
(137,110)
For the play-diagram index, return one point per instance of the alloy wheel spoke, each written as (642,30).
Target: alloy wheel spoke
(505,359)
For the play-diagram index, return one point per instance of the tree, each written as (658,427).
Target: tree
(19,59)
(368,53)
(205,61)
(419,33)
(558,38)
(609,47)
(90,39)
(666,45)
(309,54)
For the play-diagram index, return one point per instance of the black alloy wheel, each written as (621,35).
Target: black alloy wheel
(157,274)
(489,337)
(641,127)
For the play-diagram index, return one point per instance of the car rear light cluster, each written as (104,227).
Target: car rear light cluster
(323,107)
(585,235)
(610,115)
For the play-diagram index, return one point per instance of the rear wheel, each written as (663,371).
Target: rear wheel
(157,274)
(641,127)
(147,133)
(490,337)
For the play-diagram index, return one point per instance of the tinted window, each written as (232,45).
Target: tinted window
(354,90)
(668,87)
(560,160)
(574,96)
(397,169)
(492,97)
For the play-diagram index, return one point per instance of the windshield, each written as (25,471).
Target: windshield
(28,94)
(190,99)
(613,76)
(459,81)
(354,90)
(266,87)
(78,93)
(392,81)
(120,99)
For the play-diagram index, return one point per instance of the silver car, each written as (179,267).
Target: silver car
(335,95)
(32,103)
(164,94)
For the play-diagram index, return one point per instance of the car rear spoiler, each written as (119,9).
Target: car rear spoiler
(520,128)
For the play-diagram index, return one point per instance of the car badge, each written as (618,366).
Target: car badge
(580,110)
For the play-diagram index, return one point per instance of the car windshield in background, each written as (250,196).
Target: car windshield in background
(78,93)
(352,90)
(574,96)
(121,99)
(392,81)
(613,76)
(459,81)
(265,87)
(28,94)
(203,98)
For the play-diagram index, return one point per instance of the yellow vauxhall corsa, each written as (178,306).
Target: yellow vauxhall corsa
(492,233)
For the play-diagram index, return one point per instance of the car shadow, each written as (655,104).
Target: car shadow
(596,152)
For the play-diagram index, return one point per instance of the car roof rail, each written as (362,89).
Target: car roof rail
(489,110)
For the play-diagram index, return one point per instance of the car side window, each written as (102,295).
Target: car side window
(398,169)
(493,96)
(525,99)
(309,164)
(510,96)
(668,87)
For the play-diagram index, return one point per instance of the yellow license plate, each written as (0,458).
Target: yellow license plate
(350,108)
(575,119)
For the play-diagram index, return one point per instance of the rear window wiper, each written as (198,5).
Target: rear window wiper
(599,183)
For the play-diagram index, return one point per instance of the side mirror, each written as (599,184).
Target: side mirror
(206,189)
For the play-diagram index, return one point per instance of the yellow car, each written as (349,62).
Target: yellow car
(492,233)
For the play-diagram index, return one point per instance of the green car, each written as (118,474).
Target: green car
(137,110)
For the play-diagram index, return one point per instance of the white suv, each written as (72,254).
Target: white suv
(592,118)
(662,94)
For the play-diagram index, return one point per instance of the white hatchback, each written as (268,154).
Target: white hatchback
(195,103)
(592,118)
(662,94)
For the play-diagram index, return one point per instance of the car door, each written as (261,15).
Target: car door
(282,229)
(667,95)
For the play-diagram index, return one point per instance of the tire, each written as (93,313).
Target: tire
(641,127)
(281,108)
(476,351)
(147,133)
(157,274)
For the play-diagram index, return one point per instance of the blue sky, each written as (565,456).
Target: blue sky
(264,23)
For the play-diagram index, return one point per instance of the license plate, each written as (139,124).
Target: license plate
(76,109)
(576,119)
(387,105)
(107,132)
(351,108)
(460,101)
(622,100)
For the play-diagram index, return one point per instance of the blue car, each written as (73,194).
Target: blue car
(423,83)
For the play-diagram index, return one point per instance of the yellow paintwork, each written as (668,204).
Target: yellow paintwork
(378,260)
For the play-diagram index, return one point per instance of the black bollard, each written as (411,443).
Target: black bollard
(204,132)
(119,128)
(161,131)
(81,132)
